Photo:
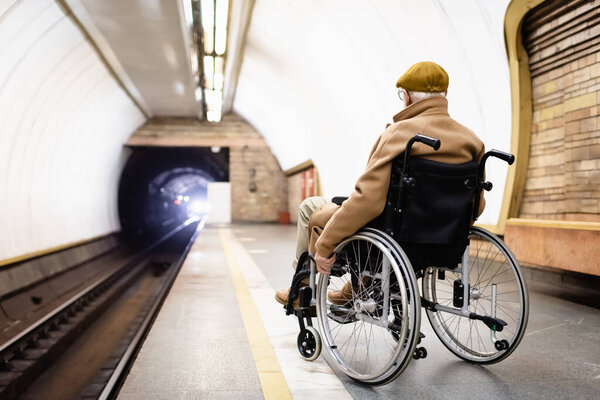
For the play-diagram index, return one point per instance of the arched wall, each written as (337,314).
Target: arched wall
(64,120)
(562,242)
(317,79)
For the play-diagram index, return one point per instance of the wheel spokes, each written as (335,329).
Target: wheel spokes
(488,264)
(361,340)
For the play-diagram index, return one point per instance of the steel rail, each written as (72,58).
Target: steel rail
(60,309)
(117,377)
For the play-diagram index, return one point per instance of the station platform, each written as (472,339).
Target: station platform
(221,335)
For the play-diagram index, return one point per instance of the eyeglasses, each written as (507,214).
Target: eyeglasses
(401,94)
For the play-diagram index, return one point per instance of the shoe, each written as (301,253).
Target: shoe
(282,295)
(343,296)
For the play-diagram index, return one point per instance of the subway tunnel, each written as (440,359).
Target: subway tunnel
(160,161)
(160,188)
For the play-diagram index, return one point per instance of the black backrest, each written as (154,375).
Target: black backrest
(430,214)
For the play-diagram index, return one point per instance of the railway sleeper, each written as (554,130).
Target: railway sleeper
(26,363)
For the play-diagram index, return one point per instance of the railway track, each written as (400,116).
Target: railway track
(32,362)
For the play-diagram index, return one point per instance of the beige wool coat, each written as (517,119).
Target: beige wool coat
(331,223)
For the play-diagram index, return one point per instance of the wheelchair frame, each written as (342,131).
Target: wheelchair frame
(309,341)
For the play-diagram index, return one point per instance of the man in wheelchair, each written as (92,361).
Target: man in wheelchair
(410,217)
(322,224)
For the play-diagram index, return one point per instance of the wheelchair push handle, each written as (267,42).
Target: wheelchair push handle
(509,158)
(487,186)
(429,141)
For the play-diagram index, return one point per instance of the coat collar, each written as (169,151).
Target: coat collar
(428,106)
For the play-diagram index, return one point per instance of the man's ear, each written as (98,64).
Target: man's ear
(407,99)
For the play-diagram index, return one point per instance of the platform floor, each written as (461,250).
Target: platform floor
(221,335)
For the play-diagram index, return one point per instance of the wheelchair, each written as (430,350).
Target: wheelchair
(472,289)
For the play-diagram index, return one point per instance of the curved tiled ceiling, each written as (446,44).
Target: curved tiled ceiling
(64,121)
(317,80)
(318,77)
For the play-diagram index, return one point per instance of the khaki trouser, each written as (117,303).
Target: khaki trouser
(307,208)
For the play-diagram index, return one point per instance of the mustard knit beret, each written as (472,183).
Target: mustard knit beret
(425,76)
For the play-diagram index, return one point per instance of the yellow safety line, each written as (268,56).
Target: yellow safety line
(271,378)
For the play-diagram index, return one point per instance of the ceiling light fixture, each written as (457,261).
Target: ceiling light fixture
(214,18)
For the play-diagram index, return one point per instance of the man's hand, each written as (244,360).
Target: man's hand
(324,264)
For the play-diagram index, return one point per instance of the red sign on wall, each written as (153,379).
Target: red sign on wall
(307,178)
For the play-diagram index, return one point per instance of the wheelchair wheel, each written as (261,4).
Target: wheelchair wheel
(309,343)
(372,337)
(494,278)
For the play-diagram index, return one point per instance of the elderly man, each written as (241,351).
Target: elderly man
(322,225)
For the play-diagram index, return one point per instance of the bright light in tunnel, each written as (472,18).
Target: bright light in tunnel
(159,185)
(196,207)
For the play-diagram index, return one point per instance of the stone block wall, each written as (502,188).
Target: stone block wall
(558,221)
(258,186)
(563,180)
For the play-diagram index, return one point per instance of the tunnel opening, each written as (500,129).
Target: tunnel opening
(162,187)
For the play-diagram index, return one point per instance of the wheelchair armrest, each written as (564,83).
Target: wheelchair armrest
(339,200)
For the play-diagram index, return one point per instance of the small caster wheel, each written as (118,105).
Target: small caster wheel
(501,345)
(420,352)
(309,343)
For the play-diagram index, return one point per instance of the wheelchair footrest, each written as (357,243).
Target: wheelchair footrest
(341,315)
(306,312)
(495,324)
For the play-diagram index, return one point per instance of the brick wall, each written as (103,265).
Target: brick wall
(563,179)
(270,184)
